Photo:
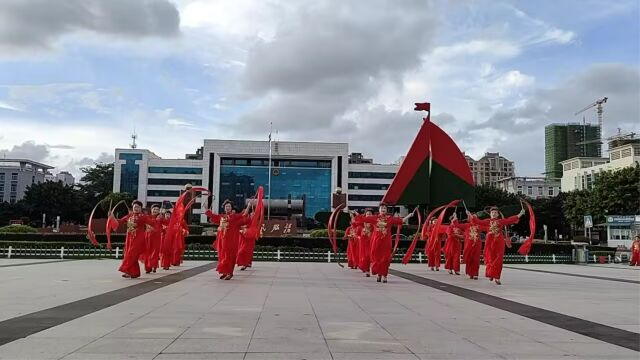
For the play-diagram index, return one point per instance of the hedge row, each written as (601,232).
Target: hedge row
(277,243)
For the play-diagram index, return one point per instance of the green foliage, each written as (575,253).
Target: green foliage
(54,199)
(22,229)
(97,182)
(614,192)
(10,212)
(195,230)
(324,233)
(491,196)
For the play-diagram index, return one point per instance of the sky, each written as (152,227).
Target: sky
(78,77)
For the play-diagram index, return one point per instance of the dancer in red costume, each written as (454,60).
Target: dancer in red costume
(245,250)
(153,238)
(381,240)
(352,235)
(433,247)
(635,252)
(178,244)
(166,245)
(228,237)
(364,258)
(135,241)
(453,246)
(472,246)
(496,242)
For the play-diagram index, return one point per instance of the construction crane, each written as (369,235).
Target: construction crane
(598,105)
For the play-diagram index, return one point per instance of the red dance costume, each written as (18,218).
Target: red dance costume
(247,245)
(380,241)
(178,244)
(364,260)
(635,253)
(453,247)
(495,244)
(227,239)
(134,246)
(434,246)
(472,249)
(353,250)
(153,239)
(166,246)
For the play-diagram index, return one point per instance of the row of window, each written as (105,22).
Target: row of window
(354,197)
(322,164)
(14,177)
(182,182)
(371,175)
(174,170)
(166,193)
(356,186)
(540,190)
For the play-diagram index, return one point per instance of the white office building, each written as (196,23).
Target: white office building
(532,187)
(303,175)
(581,172)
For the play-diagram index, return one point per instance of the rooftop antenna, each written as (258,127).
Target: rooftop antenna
(134,136)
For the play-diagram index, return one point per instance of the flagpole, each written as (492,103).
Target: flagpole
(269,192)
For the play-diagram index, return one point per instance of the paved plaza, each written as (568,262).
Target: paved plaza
(84,310)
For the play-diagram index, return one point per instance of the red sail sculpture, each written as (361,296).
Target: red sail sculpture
(434,172)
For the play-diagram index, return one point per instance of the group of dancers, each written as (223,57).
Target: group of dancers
(157,239)
(370,250)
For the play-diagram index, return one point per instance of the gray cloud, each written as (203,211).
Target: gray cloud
(27,150)
(329,58)
(519,131)
(38,24)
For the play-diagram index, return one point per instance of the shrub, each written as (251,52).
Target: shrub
(18,229)
(324,233)
(195,229)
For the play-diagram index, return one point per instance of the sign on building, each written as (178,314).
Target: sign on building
(588,221)
(279,228)
(621,219)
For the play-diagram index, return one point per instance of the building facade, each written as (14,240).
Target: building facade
(303,174)
(16,175)
(66,178)
(532,187)
(566,141)
(580,173)
(367,185)
(490,168)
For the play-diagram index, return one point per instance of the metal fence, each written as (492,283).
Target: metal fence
(205,252)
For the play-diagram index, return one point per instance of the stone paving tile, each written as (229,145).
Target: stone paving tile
(319,311)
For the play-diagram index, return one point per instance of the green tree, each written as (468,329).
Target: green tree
(616,192)
(576,205)
(54,199)
(10,212)
(491,196)
(97,182)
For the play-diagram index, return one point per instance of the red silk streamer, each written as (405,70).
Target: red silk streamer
(414,241)
(526,246)
(175,222)
(332,228)
(436,229)
(90,234)
(253,230)
(112,224)
(422,232)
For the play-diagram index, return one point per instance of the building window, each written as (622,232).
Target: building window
(625,153)
(1,178)
(313,185)
(14,187)
(550,191)
(14,177)
(12,199)
(520,189)
(356,186)
(353,197)
(180,182)
(371,175)
(129,173)
(164,193)
(529,190)
(540,192)
(174,170)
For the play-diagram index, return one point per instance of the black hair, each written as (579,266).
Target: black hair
(137,202)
